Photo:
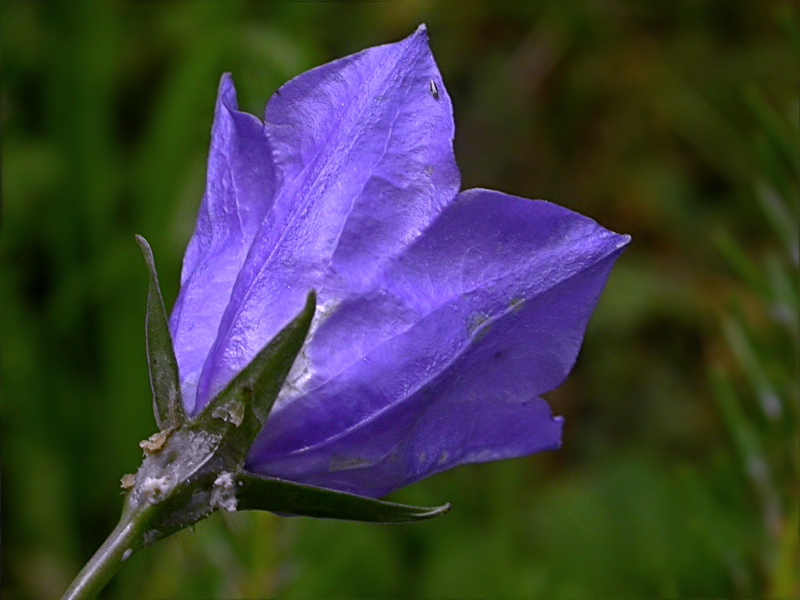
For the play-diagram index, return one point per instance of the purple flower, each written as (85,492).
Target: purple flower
(441,316)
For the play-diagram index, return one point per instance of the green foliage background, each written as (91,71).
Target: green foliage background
(676,122)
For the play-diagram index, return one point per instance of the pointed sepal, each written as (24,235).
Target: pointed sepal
(248,399)
(255,492)
(161,361)
(197,467)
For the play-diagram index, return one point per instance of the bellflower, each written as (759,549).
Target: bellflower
(348,321)
(441,316)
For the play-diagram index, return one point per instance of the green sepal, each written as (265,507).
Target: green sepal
(197,466)
(255,492)
(248,399)
(161,361)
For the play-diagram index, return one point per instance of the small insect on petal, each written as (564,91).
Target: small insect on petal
(434,90)
(155,442)
(127,481)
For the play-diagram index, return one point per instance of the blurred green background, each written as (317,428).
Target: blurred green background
(676,122)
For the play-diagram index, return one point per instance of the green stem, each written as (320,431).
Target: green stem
(123,541)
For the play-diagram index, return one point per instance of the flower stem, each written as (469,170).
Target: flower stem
(123,541)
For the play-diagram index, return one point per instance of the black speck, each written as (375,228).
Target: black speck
(434,90)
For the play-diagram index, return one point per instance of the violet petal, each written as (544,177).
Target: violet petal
(364,152)
(240,184)
(442,360)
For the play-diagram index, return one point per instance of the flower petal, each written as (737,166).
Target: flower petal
(442,361)
(364,151)
(240,184)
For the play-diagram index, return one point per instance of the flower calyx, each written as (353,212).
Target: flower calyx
(194,466)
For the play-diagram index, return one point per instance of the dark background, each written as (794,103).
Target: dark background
(673,121)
